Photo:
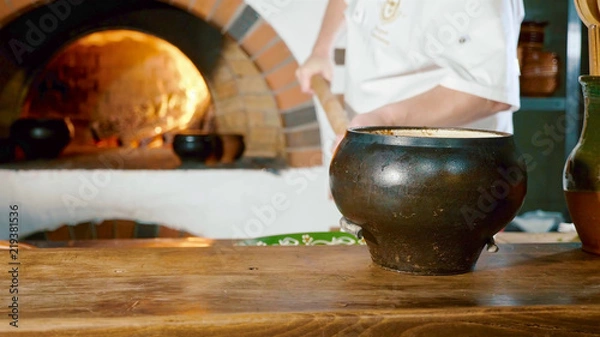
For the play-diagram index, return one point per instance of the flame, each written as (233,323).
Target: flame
(174,104)
(150,87)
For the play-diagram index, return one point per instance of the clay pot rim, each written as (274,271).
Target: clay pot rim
(589,79)
(477,137)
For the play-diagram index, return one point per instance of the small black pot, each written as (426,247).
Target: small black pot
(41,138)
(198,146)
(7,150)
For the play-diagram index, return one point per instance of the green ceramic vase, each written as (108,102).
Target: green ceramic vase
(581,178)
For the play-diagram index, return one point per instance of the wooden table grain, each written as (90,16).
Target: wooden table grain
(222,290)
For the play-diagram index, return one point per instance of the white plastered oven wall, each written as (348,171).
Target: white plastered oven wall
(211,203)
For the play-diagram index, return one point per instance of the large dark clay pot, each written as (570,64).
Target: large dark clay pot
(41,138)
(427,201)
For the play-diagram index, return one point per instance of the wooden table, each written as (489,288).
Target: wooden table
(220,290)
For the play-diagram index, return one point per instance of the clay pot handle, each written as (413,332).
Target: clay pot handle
(350,227)
(333,108)
(491,246)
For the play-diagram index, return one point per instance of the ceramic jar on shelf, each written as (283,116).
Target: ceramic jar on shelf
(539,68)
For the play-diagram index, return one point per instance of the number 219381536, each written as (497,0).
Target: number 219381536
(13,228)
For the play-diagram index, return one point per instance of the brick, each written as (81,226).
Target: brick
(18,6)
(268,152)
(273,56)
(225,11)
(262,135)
(184,234)
(201,8)
(146,231)
(242,23)
(307,158)
(167,232)
(222,72)
(243,67)
(292,98)
(253,85)
(262,149)
(83,231)
(303,138)
(260,103)
(282,76)
(234,122)
(105,230)
(298,117)
(232,51)
(258,38)
(225,90)
(231,105)
(62,233)
(256,118)
(124,229)
(273,118)
(6,9)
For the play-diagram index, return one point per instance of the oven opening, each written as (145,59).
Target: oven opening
(119,88)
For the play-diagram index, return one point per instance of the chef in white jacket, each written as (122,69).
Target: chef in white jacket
(438,63)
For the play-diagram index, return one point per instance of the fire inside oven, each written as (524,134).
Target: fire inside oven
(119,88)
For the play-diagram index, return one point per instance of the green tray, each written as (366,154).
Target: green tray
(305,239)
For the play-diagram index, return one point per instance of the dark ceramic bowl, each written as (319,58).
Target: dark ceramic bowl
(41,138)
(427,201)
(6,150)
(197,146)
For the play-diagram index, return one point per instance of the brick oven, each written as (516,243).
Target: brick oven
(133,70)
(129,73)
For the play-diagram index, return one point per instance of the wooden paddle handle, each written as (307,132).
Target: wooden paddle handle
(594,49)
(333,107)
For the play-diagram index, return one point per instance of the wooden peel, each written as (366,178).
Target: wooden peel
(589,13)
(333,108)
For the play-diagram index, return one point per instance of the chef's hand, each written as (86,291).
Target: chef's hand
(314,65)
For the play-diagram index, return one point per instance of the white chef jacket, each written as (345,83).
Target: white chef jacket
(397,49)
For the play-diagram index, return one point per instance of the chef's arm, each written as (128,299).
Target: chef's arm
(330,26)
(438,107)
(320,61)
